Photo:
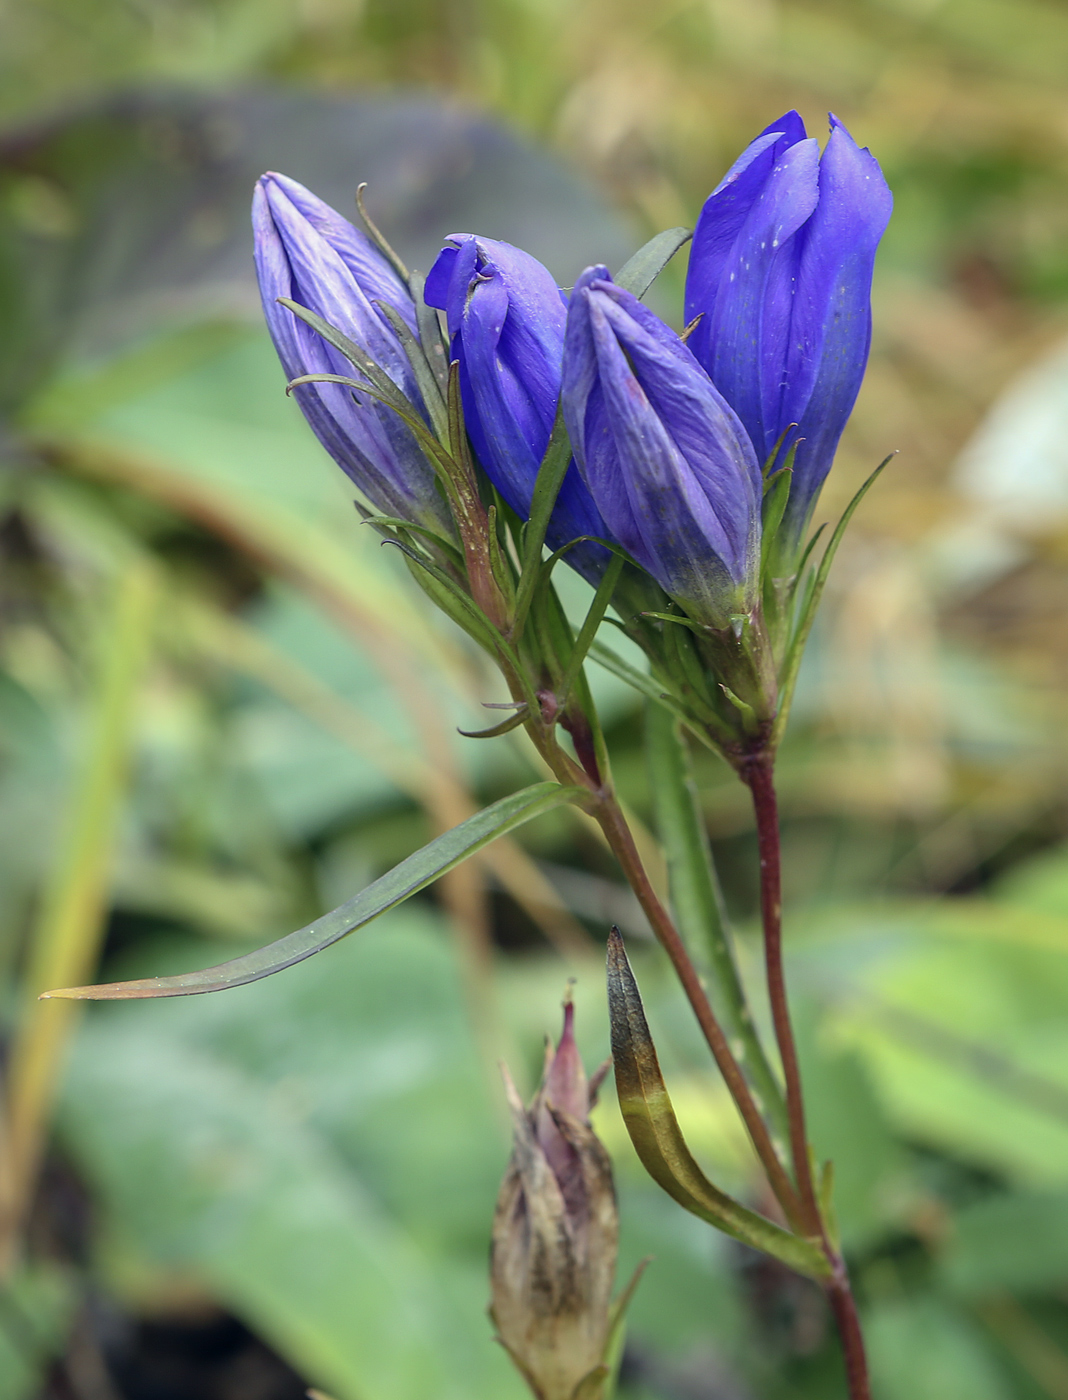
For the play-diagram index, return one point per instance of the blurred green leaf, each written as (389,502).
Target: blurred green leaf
(302,1174)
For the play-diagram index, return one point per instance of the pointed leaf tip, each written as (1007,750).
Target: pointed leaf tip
(438,857)
(654,1130)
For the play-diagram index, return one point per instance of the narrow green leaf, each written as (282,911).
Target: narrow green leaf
(648,686)
(459,605)
(505,727)
(640,272)
(378,238)
(550,478)
(442,854)
(657,1138)
(700,914)
(588,630)
(808,613)
(355,354)
(430,333)
(425,378)
(387,524)
(672,617)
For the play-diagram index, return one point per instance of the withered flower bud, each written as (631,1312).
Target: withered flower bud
(555,1235)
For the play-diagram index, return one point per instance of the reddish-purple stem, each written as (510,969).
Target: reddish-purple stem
(760,779)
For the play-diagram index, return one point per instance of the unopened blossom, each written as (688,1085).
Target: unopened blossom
(307,252)
(555,1236)
(780,276)
(506,320)
(665,458)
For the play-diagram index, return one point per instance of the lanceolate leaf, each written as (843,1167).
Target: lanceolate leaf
(658,1141)
(419,870)
(640,272)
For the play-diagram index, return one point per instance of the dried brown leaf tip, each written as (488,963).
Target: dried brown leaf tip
(555,1235)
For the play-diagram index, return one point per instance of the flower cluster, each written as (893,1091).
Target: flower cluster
(699,457)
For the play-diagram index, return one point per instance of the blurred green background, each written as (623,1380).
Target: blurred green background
(223,710)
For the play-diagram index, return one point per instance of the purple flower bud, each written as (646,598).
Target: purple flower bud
(665,458)
(307,252)
(555,1236)
(506,320)
(780,274)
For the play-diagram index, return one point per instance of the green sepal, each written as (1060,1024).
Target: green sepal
(776,495)
(650,687)
(641,270)
(453,472)
(500,564)
(746,711)
(450,598)
(654,1131)
(413,874)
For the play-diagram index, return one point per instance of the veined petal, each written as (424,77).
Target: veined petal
(723,217)
(307,253)
(506,321)
(830,332)
(666,461)
(372,274)
(750,319)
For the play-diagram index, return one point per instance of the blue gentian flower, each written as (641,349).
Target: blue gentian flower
(506,321)
(665,458)
(307,252)
(780,275)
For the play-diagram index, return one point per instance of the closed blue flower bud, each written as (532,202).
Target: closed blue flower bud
(665,458)
(506,321)
(307,252)
(780,274)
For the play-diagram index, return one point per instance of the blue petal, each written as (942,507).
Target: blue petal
(506,320)
(372,274)
(665,459)
(722,219)
(751,317)
(830,331)
(294,259)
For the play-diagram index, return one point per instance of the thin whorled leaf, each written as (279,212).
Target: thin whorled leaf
(808,613)
(547,486)
(588,630)
(430,335)
(425,377)
(441,855)
(639,272)
(645,685)
(657,1138)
